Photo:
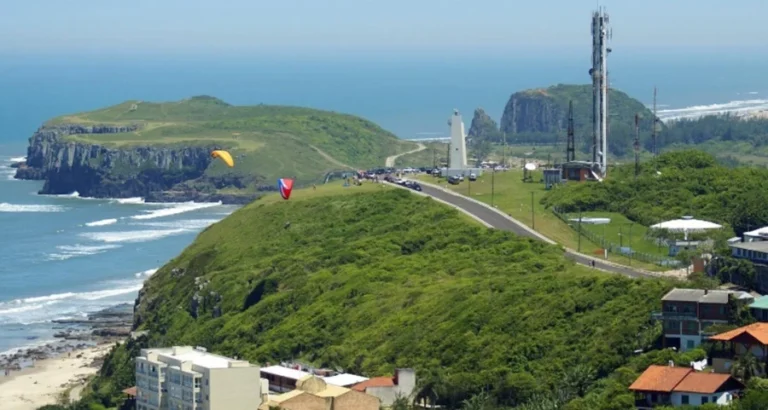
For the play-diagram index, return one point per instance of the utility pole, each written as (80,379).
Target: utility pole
(469,184)
(533,220)
(630,244)
(434,157)
(493,184)
(579,229)
(654,150)
(637,145)
(570,149)
(504,149)
(448,157)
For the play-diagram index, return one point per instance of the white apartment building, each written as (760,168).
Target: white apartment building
(187,378)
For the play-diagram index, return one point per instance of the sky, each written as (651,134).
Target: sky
(328,26)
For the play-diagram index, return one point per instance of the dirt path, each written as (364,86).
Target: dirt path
(390,162)
(330,158)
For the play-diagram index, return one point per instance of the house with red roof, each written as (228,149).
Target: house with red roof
(388,389)
(678,386)
(737,342)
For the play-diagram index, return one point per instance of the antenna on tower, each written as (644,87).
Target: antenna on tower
(637,145)
(655,124)
(570,150)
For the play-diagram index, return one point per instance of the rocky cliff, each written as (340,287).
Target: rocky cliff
(541,116)
(483,128)
(156,173)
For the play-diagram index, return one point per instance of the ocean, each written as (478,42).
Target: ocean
(65,256)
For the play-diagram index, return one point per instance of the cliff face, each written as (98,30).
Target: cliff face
(527,112)
(101,172)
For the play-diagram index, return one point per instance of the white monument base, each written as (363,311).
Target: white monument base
(449,172)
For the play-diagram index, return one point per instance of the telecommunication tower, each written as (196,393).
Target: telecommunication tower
(570,149)
(601,33)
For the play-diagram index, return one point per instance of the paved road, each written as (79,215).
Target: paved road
(498,221)
(390,162)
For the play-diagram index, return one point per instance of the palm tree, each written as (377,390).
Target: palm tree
(747,367)
(577,379)
(481,401)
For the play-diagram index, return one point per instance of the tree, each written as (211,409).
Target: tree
(480,401)
(747,367)
(481,151)
(577,379)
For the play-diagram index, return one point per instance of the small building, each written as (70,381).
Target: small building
(578,171)
(686,313)
(388,389)
(755,251)
(679,386)
(552,177)
(735,343)
(184,377)
(284,379)
(759,309)
(313,393)
(757,235)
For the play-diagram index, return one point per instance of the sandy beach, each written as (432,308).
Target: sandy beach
(43,384)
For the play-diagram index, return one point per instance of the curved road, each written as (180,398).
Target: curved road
(390,162)
(499,221)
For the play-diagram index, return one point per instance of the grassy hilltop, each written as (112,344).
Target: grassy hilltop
(378,278)
(271,141)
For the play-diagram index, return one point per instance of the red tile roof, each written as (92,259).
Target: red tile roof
(660,378)
(665,379)
(759,331)
(131,391)
(704,383)
(374,382)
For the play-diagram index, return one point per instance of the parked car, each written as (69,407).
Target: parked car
(472,177)
(413,185)
(454,180)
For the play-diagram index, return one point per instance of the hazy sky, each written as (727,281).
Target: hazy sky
(343,25)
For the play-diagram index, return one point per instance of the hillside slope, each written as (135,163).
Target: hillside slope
(161,150)
(370,281)
(541,116)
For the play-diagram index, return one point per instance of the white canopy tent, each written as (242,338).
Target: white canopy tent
(686,224)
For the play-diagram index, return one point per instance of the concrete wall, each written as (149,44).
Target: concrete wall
(305,401)
(406,384)
(694,399)
(353,400)
(237,388)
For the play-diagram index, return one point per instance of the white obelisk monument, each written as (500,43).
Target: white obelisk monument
(458,160)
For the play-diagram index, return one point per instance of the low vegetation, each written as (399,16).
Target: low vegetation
(675,184)
(271,141)
(376,280)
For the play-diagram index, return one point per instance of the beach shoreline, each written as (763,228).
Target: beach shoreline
(46,382)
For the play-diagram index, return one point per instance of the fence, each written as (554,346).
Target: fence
(612,247)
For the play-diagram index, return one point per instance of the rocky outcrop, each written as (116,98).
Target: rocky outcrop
(98,171)
(483,128)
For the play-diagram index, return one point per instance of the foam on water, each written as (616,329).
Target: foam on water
(6,207)
(175,210)
(191,224)
(67,252)
(41,309)
(739,107)
(102,222)
(133,201)
(132,236)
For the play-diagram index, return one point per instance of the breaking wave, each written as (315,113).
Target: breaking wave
(102,222)
(739,108)
(67,252)
(132,236)
(6,207)
(46,308)
(175,210)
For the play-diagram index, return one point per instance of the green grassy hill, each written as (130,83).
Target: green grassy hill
(378,278)
(273,141)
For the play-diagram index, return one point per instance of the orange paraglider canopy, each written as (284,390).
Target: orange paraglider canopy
(224,156)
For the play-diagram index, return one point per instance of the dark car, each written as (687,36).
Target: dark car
(413,185)
(454,180)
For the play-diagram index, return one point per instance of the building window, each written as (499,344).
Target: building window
(714,399)
(704,399)
(197,382)
(685,399)
(690,344)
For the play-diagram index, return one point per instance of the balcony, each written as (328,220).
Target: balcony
(673,315)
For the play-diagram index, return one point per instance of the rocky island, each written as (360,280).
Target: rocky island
(161,151)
